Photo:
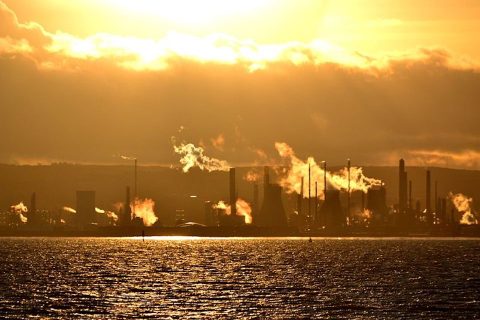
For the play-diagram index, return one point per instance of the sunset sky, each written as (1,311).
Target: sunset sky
(88,80)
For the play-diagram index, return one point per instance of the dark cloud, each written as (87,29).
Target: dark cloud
(92,110)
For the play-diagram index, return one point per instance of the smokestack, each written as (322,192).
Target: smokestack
(348,192)
(85,207)
(309,194)
(135,194)
(300,199)
(410,204)
(266,176)
(266,182)
(405,191)
(331,210)
(127,210)
(428,193)
(233,192)
(325,180)
(255,199)
(436,198)
(377,203)
(315,211)
(272,213)
(127,197)
(402,187)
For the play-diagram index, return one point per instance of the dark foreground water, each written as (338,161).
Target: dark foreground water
(182,278)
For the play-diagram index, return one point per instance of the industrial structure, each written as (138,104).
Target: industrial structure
(85,208)
(272,213)
(310,210)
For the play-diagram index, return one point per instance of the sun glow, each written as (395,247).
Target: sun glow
(64,50)
(188,11)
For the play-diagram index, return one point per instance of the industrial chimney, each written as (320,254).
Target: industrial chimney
(428,201)
(255,200)
(85,207)
(331,210)
(126,215)
(266,178)
(233,192)
(402,187)
(272,213)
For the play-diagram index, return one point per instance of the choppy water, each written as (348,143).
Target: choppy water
(239,278)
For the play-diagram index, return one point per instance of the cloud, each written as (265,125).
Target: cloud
(65,51)
(31,32)
(218,142)
(462,159)
(74,99)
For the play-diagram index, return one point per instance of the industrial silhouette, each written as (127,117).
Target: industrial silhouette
(313,211)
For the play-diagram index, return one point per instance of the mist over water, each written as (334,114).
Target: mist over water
(239,278)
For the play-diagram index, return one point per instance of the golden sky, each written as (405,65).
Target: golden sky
(369,26)
(373,80)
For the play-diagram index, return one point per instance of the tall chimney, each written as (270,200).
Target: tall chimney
(300,199)
(402,186)
(428,193)
(348,192)
(255,199)
(266,176)
(135,191)
(309,194)
(127,214)
(325,180)
(410,189)
(233,192)
(315,210)
(266,182)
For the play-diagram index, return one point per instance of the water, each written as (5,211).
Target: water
(178,278)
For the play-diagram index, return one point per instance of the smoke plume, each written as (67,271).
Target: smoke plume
(111,215)
(463,204)
(70,210)
(297,168)
(218,142)
(128,158)
(252,176)
(193,156)
(222,206)
(20,209)
(144,209)
(243,209)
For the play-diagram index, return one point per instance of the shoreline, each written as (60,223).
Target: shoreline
(464,231)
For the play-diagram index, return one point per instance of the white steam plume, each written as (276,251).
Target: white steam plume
(70,210)
(463,204)
(193,156)
(144,209)
(20,209)
(111,215)
(243,209)
(297,168)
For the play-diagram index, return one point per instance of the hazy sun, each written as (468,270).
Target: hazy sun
(189,11)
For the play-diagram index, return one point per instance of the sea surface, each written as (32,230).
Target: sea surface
(195,278)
